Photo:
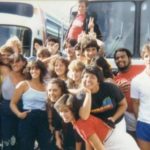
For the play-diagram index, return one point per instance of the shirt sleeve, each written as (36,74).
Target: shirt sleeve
(85,128)
(116,93)
(134,89)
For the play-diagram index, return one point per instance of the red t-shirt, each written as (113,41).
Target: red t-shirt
(127,77)
(92,125)
(76,27)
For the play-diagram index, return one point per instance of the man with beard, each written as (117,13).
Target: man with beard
(126,72)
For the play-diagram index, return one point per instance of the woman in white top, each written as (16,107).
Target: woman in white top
(140,95)
(34,121)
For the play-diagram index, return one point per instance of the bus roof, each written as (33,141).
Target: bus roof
(14,20)
(113,0)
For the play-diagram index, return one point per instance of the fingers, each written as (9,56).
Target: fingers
(91,19)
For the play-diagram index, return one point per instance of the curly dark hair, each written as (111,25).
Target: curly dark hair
(102,63)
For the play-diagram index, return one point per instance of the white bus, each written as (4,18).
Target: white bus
(28,22)
(123,24)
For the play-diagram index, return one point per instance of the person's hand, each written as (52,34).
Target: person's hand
(111,119)
(91,23)
(23,115)
(124,85)
(86,90)
(111,122)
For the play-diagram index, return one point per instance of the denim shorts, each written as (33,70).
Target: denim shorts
(143,131)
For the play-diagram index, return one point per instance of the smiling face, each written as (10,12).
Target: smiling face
(70,52)
(122,60)
(60,68)
(5,57)
(90,81)
(66,115)
(17,66)
(35,72)
(90,53)
(54,92)
(76,75)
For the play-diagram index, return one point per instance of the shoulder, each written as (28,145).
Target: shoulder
(23,85)
(4,71)
(108,85)
(138,77)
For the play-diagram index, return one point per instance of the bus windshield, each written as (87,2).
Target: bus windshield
(23,33)
(116,22)
(21,9)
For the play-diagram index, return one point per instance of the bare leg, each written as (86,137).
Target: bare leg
(144,145)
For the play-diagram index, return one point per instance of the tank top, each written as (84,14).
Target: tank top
(34,99)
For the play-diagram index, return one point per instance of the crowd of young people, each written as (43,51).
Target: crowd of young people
(70,99)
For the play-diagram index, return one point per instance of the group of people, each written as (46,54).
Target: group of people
(71,99)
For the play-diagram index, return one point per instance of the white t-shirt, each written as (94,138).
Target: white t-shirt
(140,89)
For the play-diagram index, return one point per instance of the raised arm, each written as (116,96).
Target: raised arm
(85,109)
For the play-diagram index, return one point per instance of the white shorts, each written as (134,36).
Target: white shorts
(120,140)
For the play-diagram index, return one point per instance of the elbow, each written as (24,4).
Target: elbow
(11,105)
(84,115)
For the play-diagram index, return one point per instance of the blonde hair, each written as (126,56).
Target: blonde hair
(5,48)
(76,65)
(14,41)
(145,49)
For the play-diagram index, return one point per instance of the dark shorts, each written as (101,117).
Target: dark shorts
(143,131)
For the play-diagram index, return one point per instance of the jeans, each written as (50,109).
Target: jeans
(34,127)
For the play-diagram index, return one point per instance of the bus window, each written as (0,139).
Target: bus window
(26,42)
(24,34)
(145,23)
(116,22)
(32,23)
(21,9)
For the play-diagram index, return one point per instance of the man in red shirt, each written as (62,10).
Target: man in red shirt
(126,72)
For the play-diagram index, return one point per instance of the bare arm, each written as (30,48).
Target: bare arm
(96,143)
(59,142)
(4,71)
(85,109)
(78,145)
(136,104)
(20,88)
(120,111)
